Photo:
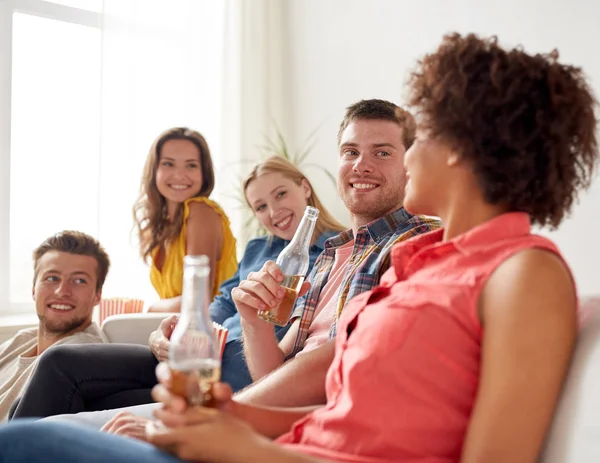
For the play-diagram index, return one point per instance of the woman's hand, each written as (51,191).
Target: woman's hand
(172,304)
(159,340)
(197,433)
(204,434)
(177,405)
(127,424)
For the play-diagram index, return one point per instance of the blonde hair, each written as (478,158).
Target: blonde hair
(280,165)
(150,209)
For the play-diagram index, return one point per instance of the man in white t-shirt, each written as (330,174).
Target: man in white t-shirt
(69,271)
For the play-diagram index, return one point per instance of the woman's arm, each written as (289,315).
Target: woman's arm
(172,304)
(231,432)
(204,235)
(218,436)
(528,313)
(268,421)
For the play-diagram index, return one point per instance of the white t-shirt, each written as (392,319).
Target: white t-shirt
(16,368)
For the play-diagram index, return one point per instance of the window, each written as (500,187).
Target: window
(80,105)
(55,132)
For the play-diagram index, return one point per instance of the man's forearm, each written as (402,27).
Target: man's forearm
(271,422)
(261,349)
(298,383)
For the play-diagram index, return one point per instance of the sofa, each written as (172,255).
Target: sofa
(575,433)
(574,436)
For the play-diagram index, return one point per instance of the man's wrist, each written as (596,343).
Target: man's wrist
(257,327)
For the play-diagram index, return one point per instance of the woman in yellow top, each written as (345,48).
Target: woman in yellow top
(174,216)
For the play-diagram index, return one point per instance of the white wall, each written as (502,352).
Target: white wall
(341,51)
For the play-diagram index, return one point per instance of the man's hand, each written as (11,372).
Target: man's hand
(127,424)
(159,340)
(260,291)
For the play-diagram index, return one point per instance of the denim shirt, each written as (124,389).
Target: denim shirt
(258,251)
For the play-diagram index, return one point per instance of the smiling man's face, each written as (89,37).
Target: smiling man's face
(65,291)
(371,175)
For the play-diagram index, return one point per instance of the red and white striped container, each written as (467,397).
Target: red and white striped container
(119,305)
(221,334)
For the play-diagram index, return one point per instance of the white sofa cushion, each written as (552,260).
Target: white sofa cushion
(575,433)
(134,328)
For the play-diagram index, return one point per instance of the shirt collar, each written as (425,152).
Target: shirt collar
(320,242)
(339,240)
(378,229)
(508,225)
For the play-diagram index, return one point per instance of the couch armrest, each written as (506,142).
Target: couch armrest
(134,328)
(575,433)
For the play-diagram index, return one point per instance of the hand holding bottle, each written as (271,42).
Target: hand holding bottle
(273,291)
(194,356)
(260,291)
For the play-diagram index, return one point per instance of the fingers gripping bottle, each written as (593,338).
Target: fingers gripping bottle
(194,357)
(293,262)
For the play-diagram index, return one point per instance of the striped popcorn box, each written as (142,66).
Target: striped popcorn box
(119,305)
(221,334)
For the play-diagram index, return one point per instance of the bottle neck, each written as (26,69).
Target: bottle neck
(303,235)
(195,295)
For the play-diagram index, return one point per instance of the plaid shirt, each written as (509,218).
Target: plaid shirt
(370,258)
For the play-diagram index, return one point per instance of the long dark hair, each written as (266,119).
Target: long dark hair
(150,210)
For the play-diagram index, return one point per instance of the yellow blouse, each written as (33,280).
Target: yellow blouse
(168,282)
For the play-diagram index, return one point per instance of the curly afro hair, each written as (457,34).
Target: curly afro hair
(526,123)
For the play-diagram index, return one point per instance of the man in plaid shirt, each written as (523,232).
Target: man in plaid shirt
(372,138)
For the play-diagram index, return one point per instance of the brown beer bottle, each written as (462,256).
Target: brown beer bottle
(293,262)
(194,358)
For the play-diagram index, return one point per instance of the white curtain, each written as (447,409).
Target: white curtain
(254,87)
(216,66)
(161,67)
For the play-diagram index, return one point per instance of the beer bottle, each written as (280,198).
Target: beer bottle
(293,262)
(194,358)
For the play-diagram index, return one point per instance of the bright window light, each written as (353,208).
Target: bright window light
(55,135)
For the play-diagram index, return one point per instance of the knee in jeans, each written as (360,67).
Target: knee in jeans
(56,357)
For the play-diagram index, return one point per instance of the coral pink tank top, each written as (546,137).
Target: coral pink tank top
(402,386)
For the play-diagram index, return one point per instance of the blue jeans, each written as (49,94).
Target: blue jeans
(25,441)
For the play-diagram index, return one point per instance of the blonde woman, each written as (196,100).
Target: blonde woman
(277,192)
